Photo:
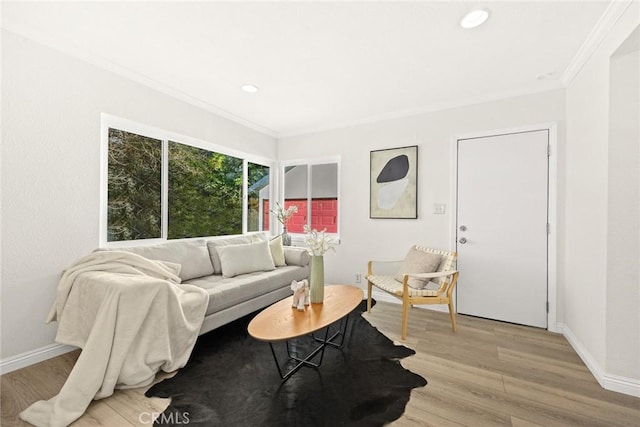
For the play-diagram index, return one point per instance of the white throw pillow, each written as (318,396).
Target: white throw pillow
(418,261)
(213,246)
(246,258)
(277,251)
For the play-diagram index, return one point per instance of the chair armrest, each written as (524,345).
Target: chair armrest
(432,275)
(446,286)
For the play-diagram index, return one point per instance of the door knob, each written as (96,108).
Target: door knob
(462,240)
(463,228)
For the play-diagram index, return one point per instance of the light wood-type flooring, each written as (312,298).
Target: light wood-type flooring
(487,374)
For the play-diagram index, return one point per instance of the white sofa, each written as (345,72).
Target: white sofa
(239,274)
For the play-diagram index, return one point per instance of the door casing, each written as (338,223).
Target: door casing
(552,127)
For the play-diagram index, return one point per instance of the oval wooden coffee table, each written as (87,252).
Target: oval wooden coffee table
(281,322)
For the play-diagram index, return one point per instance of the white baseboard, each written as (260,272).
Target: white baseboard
(620,384)
(592,365)
(32,357)
(610,382)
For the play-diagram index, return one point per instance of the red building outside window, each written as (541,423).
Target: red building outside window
(324,214)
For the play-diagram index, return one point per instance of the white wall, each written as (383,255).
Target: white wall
(623,222)
(51,105)
(363,238)
(593,316)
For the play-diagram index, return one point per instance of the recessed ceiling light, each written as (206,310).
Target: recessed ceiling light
(250,88)
(474,18)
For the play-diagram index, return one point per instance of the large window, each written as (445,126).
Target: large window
(314,189)
(161,187)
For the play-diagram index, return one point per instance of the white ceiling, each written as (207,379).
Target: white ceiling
(319,64)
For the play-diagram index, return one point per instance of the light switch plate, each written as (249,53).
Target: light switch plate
(438,208)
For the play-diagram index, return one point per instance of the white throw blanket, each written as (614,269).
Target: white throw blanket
(131,317)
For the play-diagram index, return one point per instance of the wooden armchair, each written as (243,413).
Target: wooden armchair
(417,287)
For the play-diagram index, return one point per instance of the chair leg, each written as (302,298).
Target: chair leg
(405,318)
(452,315)
(369,289)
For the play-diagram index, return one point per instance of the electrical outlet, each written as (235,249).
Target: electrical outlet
(358,277)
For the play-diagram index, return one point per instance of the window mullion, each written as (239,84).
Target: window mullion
(245,195)
(281,198)
(273,183)
(309,195)
(165,189)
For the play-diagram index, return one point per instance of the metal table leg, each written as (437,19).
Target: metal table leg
(342,331)
(306,361)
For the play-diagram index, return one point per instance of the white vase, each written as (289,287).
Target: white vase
(316,279)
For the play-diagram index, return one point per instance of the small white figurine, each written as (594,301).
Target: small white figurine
(300,294)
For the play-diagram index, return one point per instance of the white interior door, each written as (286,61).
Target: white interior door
(502,200)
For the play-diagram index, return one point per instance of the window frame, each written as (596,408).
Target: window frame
(309,162)
(245,196)
(108,121)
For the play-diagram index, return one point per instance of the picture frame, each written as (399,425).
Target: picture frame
(393,183)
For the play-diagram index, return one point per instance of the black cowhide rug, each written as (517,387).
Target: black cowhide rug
(231,380)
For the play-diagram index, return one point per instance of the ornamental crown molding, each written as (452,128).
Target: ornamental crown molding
(606,22)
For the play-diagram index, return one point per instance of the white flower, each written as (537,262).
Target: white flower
(319,243)
(283,215)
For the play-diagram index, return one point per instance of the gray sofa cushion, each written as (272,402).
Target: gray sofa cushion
(227,292)
(212,245)
(192,255)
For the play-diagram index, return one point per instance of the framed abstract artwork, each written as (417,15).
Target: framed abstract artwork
(393,190)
